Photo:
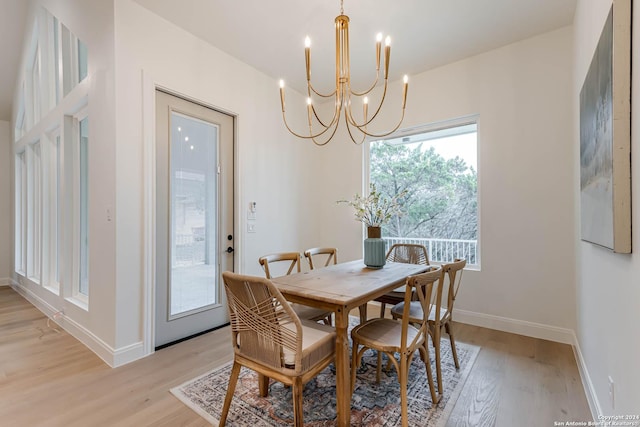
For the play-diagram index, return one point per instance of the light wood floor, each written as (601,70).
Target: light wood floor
(48,378)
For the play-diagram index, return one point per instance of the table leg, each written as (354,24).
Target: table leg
(343,374)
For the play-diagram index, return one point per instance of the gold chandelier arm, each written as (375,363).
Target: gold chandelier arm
(335,113)
(364,134)
(310,136)
(320,144)
(313,108)
(381,135)
(375,82)
(356,124)
(329,95)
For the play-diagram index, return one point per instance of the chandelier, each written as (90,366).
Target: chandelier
(343,93)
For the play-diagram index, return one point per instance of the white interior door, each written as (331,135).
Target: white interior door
(194,217)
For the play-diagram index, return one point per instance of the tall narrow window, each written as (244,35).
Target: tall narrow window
(35,87)
(84,205)
(21,212)
(54,219)
(36,212)
(82,60)
(438,170)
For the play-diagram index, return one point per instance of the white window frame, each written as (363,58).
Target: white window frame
(21,213)
(77,296)
(34,256)
(52,267)
(433,127)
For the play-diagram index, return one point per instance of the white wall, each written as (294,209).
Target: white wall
(608,291)
(522,94)
(274,169)
(6,238)
(91,22)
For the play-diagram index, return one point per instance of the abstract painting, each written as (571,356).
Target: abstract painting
(605,136)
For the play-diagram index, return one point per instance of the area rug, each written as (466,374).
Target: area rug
(371,404)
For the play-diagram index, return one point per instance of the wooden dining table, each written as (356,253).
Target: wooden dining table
(341,288)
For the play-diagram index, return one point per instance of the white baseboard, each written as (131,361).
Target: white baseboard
(112,357)
(541,331)
(5,281)
(514,326)
(589,389)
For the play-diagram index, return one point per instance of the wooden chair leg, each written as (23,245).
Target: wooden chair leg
(297,402)
(403,376)
(233,379)
(436,348)
(363,313)
(449,328)
(424,350)
(382,307)
(263,385)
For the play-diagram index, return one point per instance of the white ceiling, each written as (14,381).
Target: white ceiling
(269,35)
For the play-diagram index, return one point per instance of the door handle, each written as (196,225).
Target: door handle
(229,249)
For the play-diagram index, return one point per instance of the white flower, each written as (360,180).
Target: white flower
(374,209)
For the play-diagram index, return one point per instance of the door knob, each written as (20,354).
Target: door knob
(229,249)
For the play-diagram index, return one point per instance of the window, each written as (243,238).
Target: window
(74,60)
(21,212)
(82,60)
(83,139)
(35,210)
(34,85)
(437,167)
(54,218)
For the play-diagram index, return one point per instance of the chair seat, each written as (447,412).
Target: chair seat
(415,312)
(309,313)
(384,334)
(318,343)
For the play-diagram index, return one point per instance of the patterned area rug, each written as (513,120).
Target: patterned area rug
(371,404)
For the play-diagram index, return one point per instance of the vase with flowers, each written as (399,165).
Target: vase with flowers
(373,210)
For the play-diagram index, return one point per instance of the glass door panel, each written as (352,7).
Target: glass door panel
(194,214)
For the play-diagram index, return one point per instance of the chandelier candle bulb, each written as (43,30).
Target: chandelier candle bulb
(387,54)
(307,56)
(282,94)
(378,50)
(365,105)
(309,107)
(404,91)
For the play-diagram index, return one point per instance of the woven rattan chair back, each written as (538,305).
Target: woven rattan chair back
(268,337)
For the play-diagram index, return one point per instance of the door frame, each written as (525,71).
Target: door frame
(149,87)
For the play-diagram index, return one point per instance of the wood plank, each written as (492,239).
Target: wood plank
(71,386)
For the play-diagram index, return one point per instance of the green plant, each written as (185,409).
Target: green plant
(375,209)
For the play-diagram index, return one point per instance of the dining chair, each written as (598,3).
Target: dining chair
(407,253)
(439,316)
(269,338)
(330,253)
(291,261)
(391,336)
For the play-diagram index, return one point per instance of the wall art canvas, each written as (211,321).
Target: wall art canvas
(605,136)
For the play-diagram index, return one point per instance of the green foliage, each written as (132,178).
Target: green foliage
(438,196)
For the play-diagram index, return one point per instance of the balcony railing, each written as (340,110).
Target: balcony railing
(442,250)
